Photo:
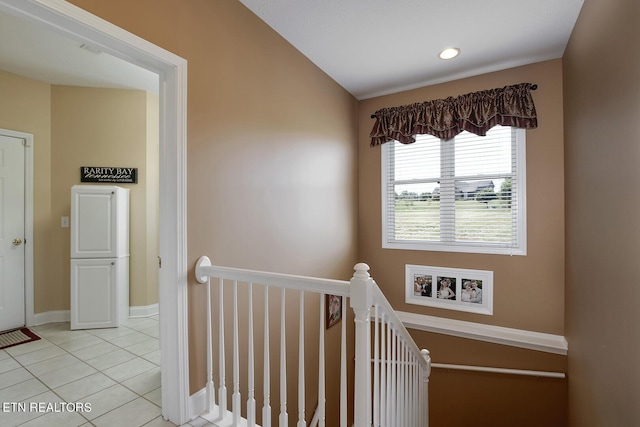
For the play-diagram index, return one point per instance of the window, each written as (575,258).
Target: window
(460,195)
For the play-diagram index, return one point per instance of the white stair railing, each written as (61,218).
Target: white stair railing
(390,377)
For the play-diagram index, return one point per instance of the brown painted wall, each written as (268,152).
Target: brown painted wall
(462,398)
(602,145)
(272,187)
(529,290)
(272,151)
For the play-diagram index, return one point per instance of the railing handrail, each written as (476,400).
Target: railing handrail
(287,281)
(311,284)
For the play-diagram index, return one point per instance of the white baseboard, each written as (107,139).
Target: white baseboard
(197,403)
(57,316)
(51,317)
(143,310)
(549,343)
(198,408)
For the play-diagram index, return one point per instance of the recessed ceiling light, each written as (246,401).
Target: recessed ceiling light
(449,53)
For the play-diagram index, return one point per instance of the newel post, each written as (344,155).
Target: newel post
(361,301)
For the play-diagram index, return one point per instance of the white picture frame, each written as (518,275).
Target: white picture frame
(450,288)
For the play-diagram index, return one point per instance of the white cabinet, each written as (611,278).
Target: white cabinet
(99,256)
(99,292)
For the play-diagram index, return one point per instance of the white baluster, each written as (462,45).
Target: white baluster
(235,399)
(266,407)
(389,397)
(399,382)
(251,401)
(376,367)
(416,391)
(301,420)
(405,383)
(210,387)
(284,417)
(411,395)
(401,410)
(394,378)
(222,390)
(413,391)
(343,366)
(383,371)
(321,374)
(409,389)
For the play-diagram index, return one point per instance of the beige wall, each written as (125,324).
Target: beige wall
(25,106)
(528,290)
(602,107)
(75,127)
(272,151)
(106,127)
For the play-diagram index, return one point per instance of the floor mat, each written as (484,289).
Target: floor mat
(17,337)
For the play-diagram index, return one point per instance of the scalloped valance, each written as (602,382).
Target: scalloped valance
(475,112)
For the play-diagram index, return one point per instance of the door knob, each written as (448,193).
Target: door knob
(17,242)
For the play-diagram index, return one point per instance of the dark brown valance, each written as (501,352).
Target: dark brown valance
(475,112)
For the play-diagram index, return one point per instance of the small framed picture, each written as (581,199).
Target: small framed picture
(333,310)
(450,288)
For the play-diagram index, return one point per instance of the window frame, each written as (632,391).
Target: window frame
(468,247)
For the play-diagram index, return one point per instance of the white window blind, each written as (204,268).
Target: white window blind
(464,195)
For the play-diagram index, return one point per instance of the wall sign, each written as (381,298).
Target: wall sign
(109,174)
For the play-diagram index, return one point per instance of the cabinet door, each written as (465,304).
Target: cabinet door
(93,293)
(94,222)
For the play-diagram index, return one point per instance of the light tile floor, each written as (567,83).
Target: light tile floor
(116,371)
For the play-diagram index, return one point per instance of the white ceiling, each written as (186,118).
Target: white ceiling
(370,47)
(29,49)
(376,47)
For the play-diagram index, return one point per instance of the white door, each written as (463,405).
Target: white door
(12,232)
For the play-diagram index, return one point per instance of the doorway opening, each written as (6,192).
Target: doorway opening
(80,25)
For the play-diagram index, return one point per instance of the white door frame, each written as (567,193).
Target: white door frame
(83,26)
(28,219)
